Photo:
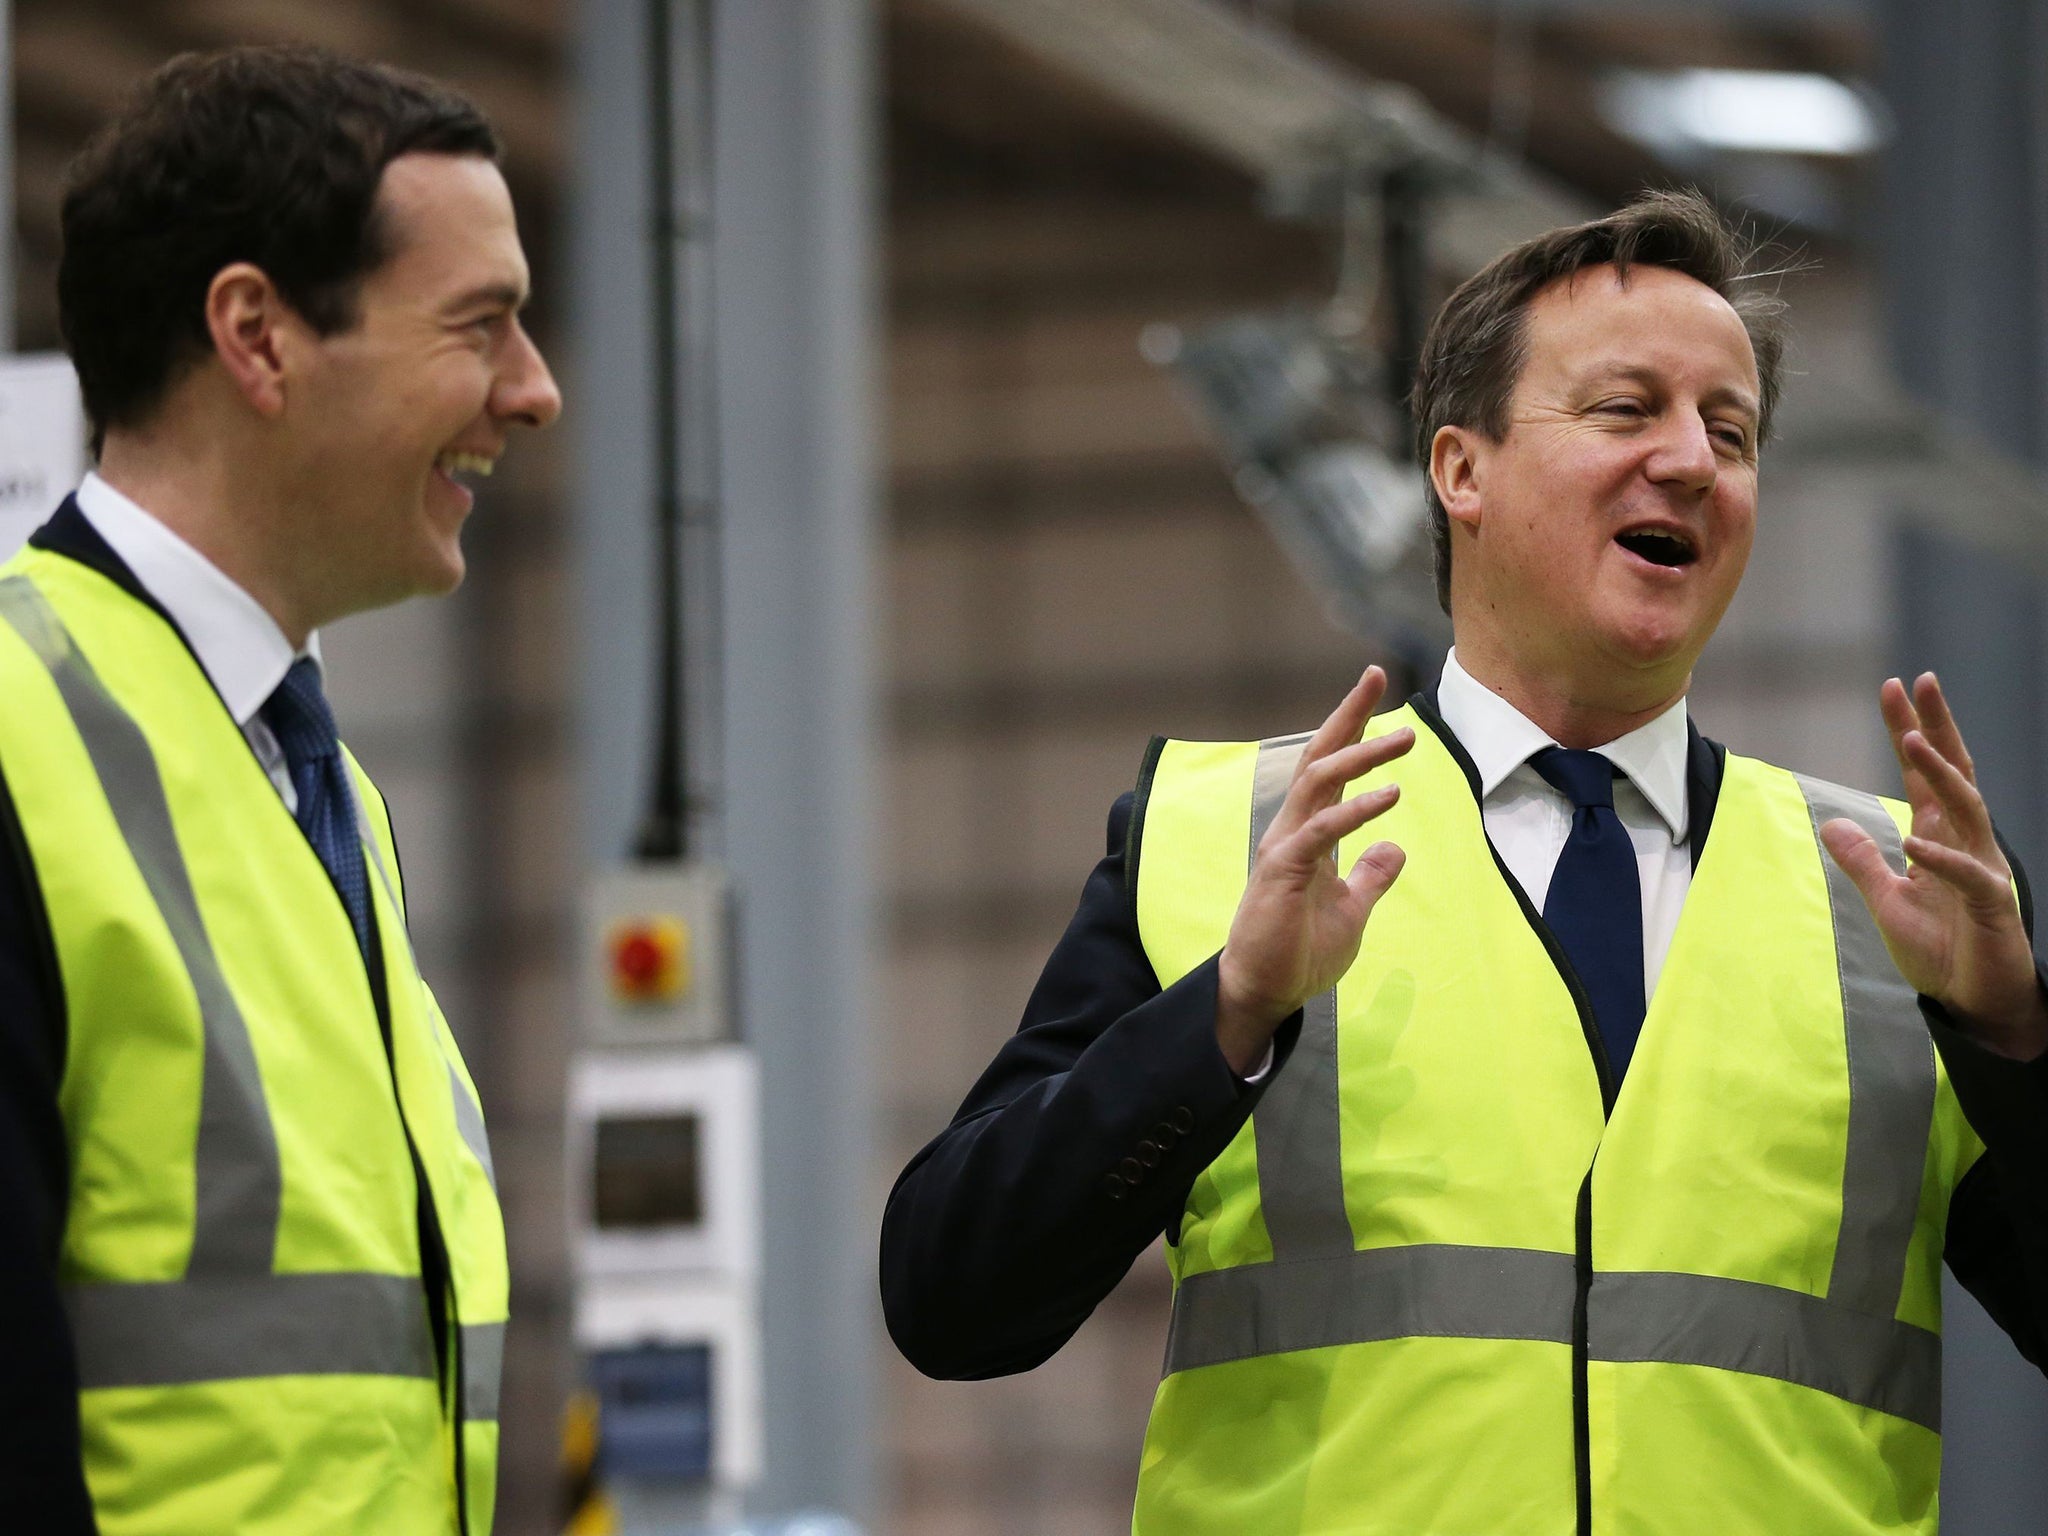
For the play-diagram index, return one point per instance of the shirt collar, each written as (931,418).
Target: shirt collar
(238,643)
(1499,738)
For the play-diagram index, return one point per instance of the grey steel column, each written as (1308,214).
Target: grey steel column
(796,237)
(1963,229)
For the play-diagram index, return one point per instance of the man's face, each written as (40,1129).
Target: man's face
(1604,535)
(393,414)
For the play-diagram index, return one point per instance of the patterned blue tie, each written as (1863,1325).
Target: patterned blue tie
(298,716)
(1595,901)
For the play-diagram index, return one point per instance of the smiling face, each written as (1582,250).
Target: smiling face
(389,417)
(1597,544)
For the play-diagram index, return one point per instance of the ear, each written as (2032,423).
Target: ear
(248,320)
(1454,470)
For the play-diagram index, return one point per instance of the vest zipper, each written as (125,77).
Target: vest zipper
(1582,1412)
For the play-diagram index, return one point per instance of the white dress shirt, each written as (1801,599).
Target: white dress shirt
(1528,820)
(238,643)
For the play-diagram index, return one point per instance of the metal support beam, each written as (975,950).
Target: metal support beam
(797,104)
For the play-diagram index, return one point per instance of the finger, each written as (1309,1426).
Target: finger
(1317,839)
(1856,851)
(1347,721)
(1900,716)
(1977,883)
(1373,871)
(1938,723)
(1962,806)
(1323,783)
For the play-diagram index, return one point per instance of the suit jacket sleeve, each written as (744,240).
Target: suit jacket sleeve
(1076,1149)
(1998,1216)
(42,1478)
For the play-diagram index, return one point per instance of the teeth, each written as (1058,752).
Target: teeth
(467,464)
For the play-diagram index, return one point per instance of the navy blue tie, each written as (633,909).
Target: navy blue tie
(298,716)
(1595,902)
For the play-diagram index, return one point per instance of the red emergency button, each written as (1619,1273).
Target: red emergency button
(649,960)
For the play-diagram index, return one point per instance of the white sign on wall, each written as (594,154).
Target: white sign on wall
(42,442)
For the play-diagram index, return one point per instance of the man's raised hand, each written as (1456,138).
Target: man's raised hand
(1950,921)
(1300,921)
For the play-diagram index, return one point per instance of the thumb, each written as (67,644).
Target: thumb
(1856,851)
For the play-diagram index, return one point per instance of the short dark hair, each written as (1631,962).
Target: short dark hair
(1478,343)
(269,155)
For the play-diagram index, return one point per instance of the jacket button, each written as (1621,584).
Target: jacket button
(1182,1120)
(1115,1187)
(1165,1135)
(1149,1153)
(1132,1170)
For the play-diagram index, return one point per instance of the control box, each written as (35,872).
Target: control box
(656,964)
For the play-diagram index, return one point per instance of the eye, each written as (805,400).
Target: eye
(1732,435)
(1622,405)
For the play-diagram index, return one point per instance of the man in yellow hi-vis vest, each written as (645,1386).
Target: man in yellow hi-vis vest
(1557,1122)
(254,1275)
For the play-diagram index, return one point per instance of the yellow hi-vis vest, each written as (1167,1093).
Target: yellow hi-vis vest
(254,1128)
(1447,1282)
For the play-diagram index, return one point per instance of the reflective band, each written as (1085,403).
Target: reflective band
(469,1120)
(469,1115)
(238,1183)
(1763,1330)
(1891,1075)
(483,1367)
(1296,1124)
(1424,1291)
(1436,1291)
(225,1328)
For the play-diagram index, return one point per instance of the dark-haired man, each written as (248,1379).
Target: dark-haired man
(1538,1100)
(252,1270)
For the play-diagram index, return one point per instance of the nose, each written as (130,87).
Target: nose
(1684,454)
(525,391)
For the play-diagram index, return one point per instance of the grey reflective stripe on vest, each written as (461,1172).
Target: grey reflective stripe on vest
(483,1367)
(223,1327)
(1440,1291)
(1847,1344)
(230,1317)
(469,1115)
(239,1182)
(1766,1330)
(1420,1291)
(1891,1074)
(1295,1127)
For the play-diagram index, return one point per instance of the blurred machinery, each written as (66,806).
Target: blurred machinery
(1310,405)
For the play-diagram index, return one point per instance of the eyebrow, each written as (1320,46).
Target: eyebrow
(1636,374)
(492,296)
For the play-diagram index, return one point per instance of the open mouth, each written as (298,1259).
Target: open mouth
(1659,546)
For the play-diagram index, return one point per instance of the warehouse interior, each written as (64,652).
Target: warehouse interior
(979,536)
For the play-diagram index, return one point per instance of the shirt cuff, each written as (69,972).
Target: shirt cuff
(1257,1075)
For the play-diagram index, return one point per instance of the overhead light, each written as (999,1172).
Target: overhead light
(1683,112)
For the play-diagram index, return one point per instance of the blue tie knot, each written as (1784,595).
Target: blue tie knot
(298,716)
(1584,778)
